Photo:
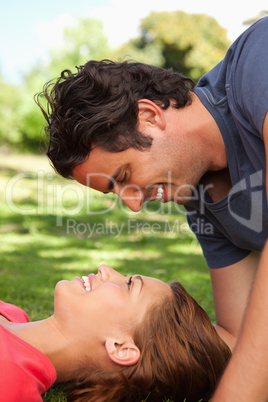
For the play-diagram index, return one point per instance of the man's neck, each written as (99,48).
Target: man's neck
(203,126)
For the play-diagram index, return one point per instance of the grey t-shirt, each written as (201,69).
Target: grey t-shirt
(235,92)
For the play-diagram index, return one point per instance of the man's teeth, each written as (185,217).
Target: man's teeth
(86,283)
(160,192)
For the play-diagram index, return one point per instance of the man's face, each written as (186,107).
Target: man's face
(138,176)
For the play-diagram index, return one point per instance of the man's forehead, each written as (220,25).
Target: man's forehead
(98,175)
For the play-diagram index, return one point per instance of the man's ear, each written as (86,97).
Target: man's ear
(150,114)
(126,353)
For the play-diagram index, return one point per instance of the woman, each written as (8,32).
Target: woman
(115,338)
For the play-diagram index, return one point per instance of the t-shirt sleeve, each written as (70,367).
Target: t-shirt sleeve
(13,313)
(17,386)
(218,251)
(25,372)
(251,76)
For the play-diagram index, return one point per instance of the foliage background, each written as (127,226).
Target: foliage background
(193,46)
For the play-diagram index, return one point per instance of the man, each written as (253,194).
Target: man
(145,133)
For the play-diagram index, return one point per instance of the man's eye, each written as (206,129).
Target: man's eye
(123,180)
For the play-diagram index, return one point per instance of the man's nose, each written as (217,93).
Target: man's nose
(132,196)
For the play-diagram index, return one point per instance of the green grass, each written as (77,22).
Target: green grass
(53,229)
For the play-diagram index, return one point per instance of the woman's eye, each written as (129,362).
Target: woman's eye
(129,282)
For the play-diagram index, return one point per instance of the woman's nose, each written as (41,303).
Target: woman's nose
(108,274)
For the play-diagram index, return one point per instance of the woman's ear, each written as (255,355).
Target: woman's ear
(126,353)
(150,114)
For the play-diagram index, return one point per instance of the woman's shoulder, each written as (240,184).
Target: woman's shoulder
(24,370)
(13,313)
(16,384)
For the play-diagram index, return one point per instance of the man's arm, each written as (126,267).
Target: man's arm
(246,376)
(231,289)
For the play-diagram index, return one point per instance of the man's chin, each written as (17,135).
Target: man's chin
(181,200)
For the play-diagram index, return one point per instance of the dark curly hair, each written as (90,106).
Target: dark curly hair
(98,105)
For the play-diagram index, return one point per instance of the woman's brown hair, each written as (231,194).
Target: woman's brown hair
(182,358)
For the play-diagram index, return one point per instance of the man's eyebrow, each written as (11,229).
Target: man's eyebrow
(113,179)
(142,281)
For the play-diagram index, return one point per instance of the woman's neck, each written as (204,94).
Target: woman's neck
(46,336)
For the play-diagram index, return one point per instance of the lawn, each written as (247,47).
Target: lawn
(52,229)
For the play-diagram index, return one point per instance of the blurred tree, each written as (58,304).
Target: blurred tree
(20,121)
(31,120)
(9,119)
(82,41)
(189,43)
(251,21)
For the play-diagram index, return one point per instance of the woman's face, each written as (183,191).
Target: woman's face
(107,305)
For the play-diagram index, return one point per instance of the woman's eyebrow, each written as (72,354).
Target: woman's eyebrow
(142,281)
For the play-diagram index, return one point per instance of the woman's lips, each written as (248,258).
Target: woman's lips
(88,282)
